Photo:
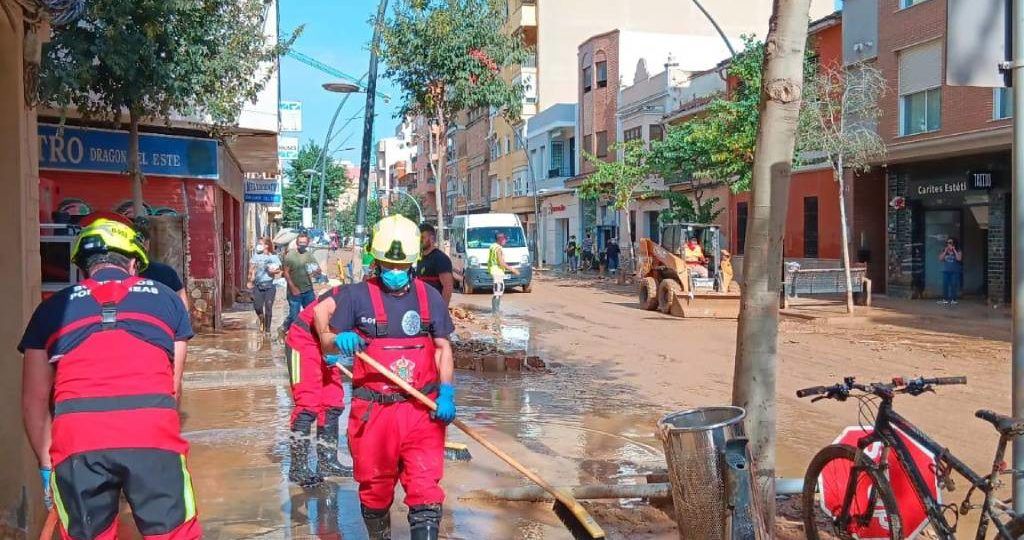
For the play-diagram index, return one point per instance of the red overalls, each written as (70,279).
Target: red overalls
(316,387)
(116,426)
(392,437)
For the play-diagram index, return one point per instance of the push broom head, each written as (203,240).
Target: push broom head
(578,521)
(456,452)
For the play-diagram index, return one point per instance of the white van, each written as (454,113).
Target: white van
(471,239)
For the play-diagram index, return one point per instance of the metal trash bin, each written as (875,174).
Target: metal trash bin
(695,451)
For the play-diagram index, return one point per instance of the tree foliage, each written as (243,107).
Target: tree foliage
(447,56)
(346,218)
(620,180)
(842,115)
(299,184)
(718,145)
(154,59)
(683,209)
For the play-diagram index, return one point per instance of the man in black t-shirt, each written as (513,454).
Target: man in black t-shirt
(434,267)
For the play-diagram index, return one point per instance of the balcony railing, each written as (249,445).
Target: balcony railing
(530,62)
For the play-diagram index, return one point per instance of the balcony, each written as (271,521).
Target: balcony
(522,15)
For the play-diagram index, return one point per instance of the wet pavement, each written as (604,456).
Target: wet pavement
(236,407)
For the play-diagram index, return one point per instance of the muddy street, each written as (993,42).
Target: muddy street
(612,372)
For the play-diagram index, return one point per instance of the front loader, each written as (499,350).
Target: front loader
(667,284)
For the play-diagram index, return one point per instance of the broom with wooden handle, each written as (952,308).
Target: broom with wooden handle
(573,515)
(50,526)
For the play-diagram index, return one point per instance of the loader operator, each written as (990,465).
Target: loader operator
(110,351)
(696,262)
(317,394)
(404,324)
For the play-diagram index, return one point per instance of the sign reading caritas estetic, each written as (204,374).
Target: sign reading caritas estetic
(69,148)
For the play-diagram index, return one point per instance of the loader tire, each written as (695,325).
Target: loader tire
(667,292)
(648,294)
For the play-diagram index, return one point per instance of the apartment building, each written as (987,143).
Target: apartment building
(393,156)
(555,28)
(551,142)
(478,161)
(947,173)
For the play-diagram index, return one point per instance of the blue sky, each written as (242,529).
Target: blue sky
(337,33)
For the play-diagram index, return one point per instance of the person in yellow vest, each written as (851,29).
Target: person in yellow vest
(695,259)
(497,267)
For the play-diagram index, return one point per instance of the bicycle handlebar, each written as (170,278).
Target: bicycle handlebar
(905,385)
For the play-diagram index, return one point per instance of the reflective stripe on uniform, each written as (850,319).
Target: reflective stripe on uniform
(189,495)
(57,502)
(295,361)
(115,403)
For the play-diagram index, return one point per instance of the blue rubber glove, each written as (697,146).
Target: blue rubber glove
(332,359)
(349,343)
(445,403)
(45,473)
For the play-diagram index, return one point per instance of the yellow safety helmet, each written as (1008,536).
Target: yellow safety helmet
(104,235)
(396,239)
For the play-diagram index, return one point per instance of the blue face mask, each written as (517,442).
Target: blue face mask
(395,280)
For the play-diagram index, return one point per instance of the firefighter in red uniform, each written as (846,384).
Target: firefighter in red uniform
(111,352)
(404,324)
(317,395)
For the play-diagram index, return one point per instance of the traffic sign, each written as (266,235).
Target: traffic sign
(834,477)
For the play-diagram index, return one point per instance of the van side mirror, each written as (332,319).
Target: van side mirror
(460,247)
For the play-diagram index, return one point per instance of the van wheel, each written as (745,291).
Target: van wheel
(648,294)
(528,288)
(667,292)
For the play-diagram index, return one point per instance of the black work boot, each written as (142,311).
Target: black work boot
(378,523)
(327,447)
(301,439)
(424,521)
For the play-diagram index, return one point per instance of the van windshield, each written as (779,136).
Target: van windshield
(483,237)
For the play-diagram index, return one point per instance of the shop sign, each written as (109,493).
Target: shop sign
(980,180)
(262,190)
(67,148)
(290,113)
(287,148)
(937,188)
(558,208)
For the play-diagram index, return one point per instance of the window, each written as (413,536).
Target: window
(588,144)
(920,88)
(741,227)
(904,4)
(557,160)
(483,237)
(1002,103)
(921,111)
(602,143)
(508,146)
(494,150)
(602,74)
(657,132)
(587,79)
(633,134)
(810,227)
(494,189)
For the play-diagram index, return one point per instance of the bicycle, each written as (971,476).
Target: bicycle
(853,516)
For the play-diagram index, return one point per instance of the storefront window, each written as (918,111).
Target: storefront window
(921,111)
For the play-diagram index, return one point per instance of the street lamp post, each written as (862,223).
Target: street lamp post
(309,193)
(364,162)
(402,191)
(338,88)
(538,237)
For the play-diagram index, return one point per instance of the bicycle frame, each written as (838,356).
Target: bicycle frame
(886,423)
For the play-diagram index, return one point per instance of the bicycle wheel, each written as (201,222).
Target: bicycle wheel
(871,512)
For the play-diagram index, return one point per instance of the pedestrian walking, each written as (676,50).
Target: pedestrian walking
(300,268)
(612,252)
(318,397)
(952,268)
(434,266)
(263,268)
(497,267)
(103,362)
(587,251)
(572,254)
(403,324)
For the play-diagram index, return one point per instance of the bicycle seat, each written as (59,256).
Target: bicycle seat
(1005,425)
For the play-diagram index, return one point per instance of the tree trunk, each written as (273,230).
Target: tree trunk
(632,250)
(846,237)
(134,171)
(441,148)
(757,335)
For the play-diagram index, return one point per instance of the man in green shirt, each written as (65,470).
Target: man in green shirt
(300,267)
(497,267)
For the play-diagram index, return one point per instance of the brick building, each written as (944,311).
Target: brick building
(947,173)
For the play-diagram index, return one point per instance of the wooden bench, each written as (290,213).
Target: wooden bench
(810,281)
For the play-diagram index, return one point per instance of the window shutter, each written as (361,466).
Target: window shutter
(921,68)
